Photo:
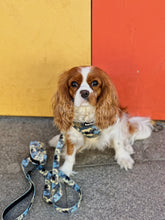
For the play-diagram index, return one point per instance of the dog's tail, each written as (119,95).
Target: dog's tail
(140,128)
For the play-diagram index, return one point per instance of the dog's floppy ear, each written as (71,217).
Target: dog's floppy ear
(107,107)
(62,103)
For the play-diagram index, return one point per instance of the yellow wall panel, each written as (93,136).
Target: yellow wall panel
(39,39)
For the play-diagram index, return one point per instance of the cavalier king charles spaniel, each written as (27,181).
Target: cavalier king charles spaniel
(87,95)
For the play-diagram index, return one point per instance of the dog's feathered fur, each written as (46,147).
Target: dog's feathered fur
(86,94)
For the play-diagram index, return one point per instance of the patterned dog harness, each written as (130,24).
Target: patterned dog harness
(53,179)
(87,129)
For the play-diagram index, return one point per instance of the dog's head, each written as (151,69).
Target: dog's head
(82,86)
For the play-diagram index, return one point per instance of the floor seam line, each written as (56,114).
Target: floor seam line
(113,163)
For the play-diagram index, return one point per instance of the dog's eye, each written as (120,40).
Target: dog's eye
(74,84)
(94,83)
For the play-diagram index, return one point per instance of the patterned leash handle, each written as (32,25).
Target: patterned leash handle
(53,179)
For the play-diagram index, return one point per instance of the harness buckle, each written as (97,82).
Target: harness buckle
(89,123)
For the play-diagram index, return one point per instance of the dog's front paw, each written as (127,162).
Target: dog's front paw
(67,170)
(124,160)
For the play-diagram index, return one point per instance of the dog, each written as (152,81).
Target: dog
(86,95)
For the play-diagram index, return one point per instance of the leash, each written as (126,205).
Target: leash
(54,178)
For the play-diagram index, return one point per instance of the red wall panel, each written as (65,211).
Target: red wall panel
(128,42)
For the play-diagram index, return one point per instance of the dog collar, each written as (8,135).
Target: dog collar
(88,129)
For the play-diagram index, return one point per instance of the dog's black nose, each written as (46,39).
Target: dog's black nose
(84,93)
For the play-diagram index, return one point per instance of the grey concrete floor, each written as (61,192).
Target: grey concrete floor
(108,192)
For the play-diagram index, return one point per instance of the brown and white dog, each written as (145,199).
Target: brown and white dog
(86,94)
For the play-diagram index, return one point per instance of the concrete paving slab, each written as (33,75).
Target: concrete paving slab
(154,147)
(120,194)
(113,194)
